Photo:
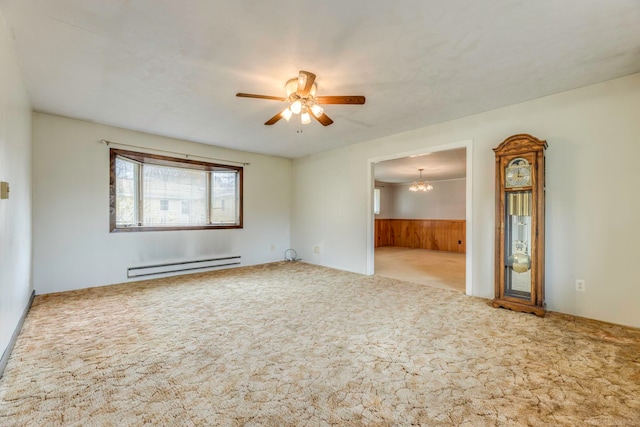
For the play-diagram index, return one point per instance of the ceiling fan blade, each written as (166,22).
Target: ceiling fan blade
(251,95)
(275,118)
(305,82)
(348,99)
(323,119)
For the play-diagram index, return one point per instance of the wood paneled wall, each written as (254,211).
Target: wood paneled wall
(435,234)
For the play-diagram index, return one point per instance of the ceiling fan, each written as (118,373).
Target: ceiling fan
(301,95)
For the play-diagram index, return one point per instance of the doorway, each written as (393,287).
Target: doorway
(422,236)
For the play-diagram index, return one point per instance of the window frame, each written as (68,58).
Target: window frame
(161,160)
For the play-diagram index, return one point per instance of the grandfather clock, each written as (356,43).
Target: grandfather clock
(519,258)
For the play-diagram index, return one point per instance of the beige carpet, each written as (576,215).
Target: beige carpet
(290,344)
(444,270)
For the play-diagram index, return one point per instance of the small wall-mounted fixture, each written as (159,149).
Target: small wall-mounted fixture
(4,190)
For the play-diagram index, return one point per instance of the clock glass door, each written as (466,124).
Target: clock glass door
(517,248)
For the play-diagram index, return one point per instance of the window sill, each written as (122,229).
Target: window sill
(174,228)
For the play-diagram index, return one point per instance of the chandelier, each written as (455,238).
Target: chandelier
(301,104)
(420,185)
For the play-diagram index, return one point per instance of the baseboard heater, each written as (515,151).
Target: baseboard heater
(178,267)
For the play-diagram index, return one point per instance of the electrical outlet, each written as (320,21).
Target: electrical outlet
(4,190)
(273,247)
(316,249)
(580,285)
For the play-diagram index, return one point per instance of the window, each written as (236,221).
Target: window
(150,192)
(376,201)
(186,207)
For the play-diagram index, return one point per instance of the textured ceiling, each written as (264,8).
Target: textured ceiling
(173,67)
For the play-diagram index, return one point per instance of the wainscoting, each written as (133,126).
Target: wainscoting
(434,234)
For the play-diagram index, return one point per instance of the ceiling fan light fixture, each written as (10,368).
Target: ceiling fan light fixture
(301,97)
(296,107)
(286,114)
(317,110)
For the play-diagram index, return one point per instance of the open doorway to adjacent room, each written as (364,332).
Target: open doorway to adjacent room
(420,212)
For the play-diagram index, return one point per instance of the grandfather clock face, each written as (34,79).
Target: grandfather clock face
(518,173)
(520,220)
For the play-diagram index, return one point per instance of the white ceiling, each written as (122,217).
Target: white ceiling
(438,166)
(173,67)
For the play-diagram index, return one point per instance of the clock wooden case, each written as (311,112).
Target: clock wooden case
(519,257)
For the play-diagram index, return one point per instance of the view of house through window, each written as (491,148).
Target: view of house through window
(150,192)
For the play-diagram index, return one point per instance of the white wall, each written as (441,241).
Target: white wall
(73,247)
(592,209)
(445,201)
(15,212)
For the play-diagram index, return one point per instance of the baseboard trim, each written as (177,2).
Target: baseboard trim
(7,352)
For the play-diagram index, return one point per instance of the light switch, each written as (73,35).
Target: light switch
(4,190)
